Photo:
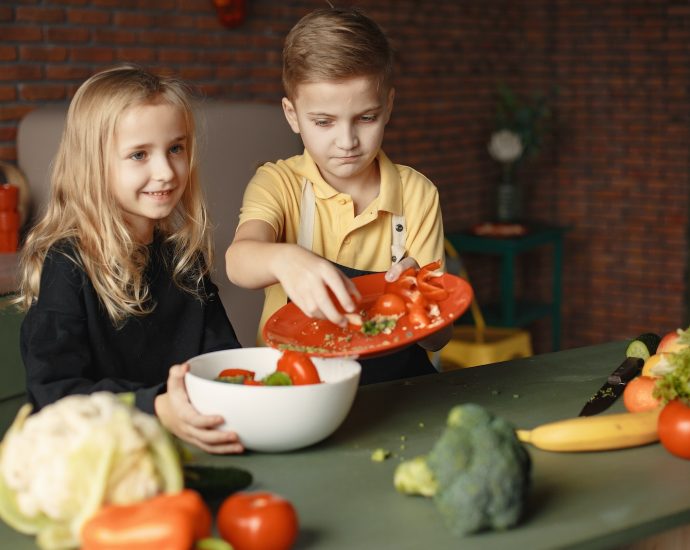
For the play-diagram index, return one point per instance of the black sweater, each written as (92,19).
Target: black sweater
(70,346)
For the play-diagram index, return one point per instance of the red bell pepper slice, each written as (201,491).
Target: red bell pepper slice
(429,282)
(404,286)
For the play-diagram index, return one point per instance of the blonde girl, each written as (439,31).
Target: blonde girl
(114,275)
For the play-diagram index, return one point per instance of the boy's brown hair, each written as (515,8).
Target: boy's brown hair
(334,44)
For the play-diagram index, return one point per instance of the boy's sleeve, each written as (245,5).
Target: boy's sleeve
(54,341)
(265,199)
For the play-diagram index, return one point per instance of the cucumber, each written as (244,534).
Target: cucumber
(643,346)
(216,481)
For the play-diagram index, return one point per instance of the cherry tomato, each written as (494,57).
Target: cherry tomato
(389,304)
(418,317)
(299,367)
(429,282)
(257,521)
(674,428)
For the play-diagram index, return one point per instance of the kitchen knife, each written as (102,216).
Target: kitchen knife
(614,386)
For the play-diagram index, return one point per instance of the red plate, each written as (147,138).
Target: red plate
(290,328)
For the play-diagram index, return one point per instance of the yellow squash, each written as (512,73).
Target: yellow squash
(595,433)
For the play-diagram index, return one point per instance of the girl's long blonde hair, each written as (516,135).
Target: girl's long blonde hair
(82,207)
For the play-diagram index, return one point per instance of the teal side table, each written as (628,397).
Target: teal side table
(510,311)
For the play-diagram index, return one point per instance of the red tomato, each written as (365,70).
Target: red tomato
(674,428)
(418,317)
(299,367)
(389,304)
(669,343)
(257,521)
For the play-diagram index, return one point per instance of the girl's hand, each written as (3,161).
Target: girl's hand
(307,279)
(178,415)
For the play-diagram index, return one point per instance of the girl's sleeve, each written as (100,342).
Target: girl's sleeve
(218,331)
(54,340)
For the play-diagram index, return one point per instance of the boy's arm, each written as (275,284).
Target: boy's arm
(256,260)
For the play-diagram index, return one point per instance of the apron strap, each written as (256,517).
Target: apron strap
(305,233)
(399,234)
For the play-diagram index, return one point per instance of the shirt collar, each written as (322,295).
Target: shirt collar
(390,192)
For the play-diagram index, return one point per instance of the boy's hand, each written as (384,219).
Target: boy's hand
(178,415)
(396,269)
(307,278)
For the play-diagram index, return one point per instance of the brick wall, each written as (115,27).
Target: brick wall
(615,167)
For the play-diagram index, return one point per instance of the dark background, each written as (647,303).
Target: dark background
(616,161)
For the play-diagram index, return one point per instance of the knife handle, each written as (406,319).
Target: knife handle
(628,370)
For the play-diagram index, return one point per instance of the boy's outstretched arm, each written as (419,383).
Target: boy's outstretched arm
(256,260)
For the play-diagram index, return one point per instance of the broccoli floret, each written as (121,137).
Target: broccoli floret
(477,472)
(413,477)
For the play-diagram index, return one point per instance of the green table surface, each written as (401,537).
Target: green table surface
(577,500)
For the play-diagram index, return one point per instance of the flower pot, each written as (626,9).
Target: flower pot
(508,202)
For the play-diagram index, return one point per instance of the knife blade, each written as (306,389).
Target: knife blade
(614,386)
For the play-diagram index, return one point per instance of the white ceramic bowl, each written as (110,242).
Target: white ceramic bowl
(273,418)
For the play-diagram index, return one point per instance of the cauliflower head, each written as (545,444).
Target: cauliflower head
(60,465)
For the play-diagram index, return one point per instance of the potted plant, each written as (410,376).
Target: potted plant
(520,126)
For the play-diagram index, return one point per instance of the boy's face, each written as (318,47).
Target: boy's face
(341,124)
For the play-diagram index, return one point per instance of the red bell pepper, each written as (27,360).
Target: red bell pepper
(170,521)
(429,282)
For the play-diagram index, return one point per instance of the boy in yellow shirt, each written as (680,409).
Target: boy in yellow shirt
(342,208)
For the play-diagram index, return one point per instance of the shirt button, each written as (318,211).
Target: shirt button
(342,201)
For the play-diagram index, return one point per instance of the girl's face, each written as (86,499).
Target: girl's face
(149,166)
(341,124)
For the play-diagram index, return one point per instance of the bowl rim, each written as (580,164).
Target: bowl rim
(353,364)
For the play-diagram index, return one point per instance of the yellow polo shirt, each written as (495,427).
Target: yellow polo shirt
(362,242)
